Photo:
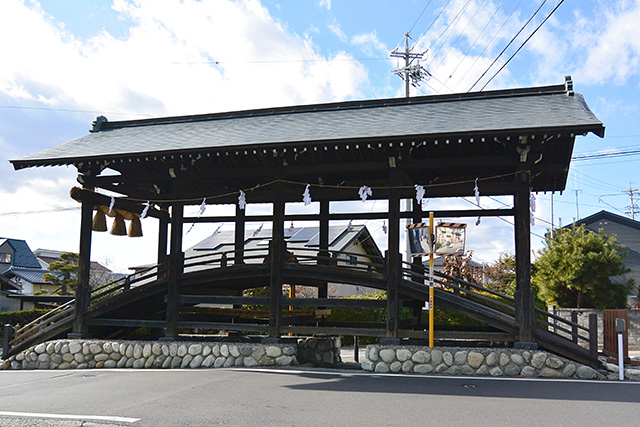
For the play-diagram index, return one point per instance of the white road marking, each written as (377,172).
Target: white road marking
(69,417)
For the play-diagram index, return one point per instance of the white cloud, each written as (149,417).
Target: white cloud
(612,47)
(325,3)
(335,29)
(370,43)
(177,58)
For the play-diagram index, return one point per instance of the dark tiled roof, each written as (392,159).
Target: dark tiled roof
(532,109)
(33,275)
(608,216)
(22,255)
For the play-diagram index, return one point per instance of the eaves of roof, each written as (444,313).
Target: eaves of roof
(528,110)
(608,216)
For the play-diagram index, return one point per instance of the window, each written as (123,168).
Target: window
(5,258)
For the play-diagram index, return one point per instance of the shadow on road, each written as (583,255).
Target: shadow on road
(478,387)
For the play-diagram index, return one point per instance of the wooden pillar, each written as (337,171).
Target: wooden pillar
(83,290)
(524,298)
(323,240)
(163,238)
(416,262)
(277,258)
(393,253)
(239,235)
(175,268)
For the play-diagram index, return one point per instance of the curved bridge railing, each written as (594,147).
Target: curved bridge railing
(309,265)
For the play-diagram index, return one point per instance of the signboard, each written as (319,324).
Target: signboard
(449,238)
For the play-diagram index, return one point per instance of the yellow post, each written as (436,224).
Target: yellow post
(431,307)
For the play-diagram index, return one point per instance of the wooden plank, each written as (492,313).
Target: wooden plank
(133,323)
(245,327)
(163,239)
(334,302)
(355,216)
(220,299)
(238,240)
(311,330)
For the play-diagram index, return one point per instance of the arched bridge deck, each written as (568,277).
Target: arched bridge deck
(140,300)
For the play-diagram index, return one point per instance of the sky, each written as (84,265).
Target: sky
(64,62)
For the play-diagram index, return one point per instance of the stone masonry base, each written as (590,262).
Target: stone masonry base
(473,361)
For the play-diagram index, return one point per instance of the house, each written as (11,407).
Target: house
(353,241)
(99,274)
(627,232)
(20,266)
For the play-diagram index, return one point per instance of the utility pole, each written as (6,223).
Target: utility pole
(411,74)
(632,206)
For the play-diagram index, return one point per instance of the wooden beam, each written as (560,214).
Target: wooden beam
(323,241)
(277,248)
(83,289)
(96,199)
(239,230)
(393,256)
(335,302)
(176,266)
(362,216)
(524,297)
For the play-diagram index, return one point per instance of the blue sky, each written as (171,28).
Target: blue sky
(67,61)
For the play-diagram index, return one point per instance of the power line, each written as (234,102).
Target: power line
(432,22)
(488,44)
(69,110)
(523,43)
(508,44)
(40,212)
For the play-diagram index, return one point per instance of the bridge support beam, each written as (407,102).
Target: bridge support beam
(175,268)
(163,239)
(393,254)
(323,237)
(525,310)
(416,262)
(83,290)
(277,258)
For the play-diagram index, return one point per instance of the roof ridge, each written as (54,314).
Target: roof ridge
(330,106)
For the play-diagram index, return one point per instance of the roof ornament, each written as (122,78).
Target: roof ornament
(419,193)
(365,192)
(242,200)
(97,124)
(568,84)
(306,196)
(145,211)
(532,208)
(476,191)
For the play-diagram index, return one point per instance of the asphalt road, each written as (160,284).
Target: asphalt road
(233,397)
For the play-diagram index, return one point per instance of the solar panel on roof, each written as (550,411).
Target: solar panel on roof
(304,234)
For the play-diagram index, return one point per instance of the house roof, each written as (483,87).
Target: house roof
(606,216)
(48,256)
(523,110)
(32,275)
(341,238)
(22,255)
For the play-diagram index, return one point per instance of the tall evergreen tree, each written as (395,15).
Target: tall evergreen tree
(579,268)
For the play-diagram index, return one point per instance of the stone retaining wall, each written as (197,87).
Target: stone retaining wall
(319,351)
(473,361)
(82,354)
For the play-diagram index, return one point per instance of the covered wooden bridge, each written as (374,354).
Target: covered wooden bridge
(508,142)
